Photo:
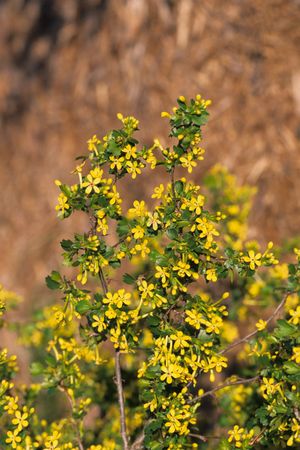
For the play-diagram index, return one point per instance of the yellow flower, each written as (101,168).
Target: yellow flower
(146,289)
(236,434)
(114,196)
(261,325)
(183,269)
(296,356)
(296,430)
(165,114)
(180,340)
(269,387)
(195,204)
(52,441)
(12,438)
(138,232)
(99,323)
(211,275)
(252,259)
(130,152)
(122,297)
(193,318)
(170,372)
(92,144)
(143,248)
(12,404)
(116,162)
(133,168)
(295,315)
(158,191)
(153,220)
(62,203)
(161,272)
(139,209)
(188,162)
(173,423)
(214,325)
(20,420)
(111,313)
(230,331)
(91,184)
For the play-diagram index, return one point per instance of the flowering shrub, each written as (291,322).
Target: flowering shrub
(173,331)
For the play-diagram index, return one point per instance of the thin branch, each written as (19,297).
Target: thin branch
(225,385)
(173,183)
(118,378)
(120,241)
(103,282)
(121,400)
(137,445)
(257,438)
(198,436)
(253,333)
(75,423)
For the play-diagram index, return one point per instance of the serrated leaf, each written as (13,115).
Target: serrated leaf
(66,244)
(291,368)
(153,426)
(128,279)
(292,269)
(178,185)
(200,120)
(50,360)
(284,329)
(83,306)
(36,368)
(53,280)
(172,233)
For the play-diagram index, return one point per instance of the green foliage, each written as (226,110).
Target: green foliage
(173,331)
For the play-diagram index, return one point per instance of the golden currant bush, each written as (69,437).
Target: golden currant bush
(174,331)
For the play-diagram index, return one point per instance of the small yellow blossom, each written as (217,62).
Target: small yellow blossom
(261,324)
(252,259)
(158,191)
(188,162)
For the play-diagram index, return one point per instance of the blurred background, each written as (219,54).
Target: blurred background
(67,67)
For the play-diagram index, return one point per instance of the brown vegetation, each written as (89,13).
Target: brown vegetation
(67,68)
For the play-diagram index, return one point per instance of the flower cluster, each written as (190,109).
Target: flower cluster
(199,339)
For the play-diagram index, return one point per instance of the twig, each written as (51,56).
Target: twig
(118,378)
(253,333)
(103,282)
(225,385)
(173,183)
(198,436)
(75,423)
(120,241)
(121,400)
(257,438)
(137,445)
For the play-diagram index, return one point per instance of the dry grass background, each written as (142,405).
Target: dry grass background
(67,67)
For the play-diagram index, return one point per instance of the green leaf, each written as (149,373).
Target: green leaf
(178,185)
(123,228)
(284,329)
(200,120)
(229,252)
(172,233)
(291,368)
(292,269)
(50,360)
(36,368)
(83,306)
(128,279)
(66,244)
(53,281)
(153,426)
